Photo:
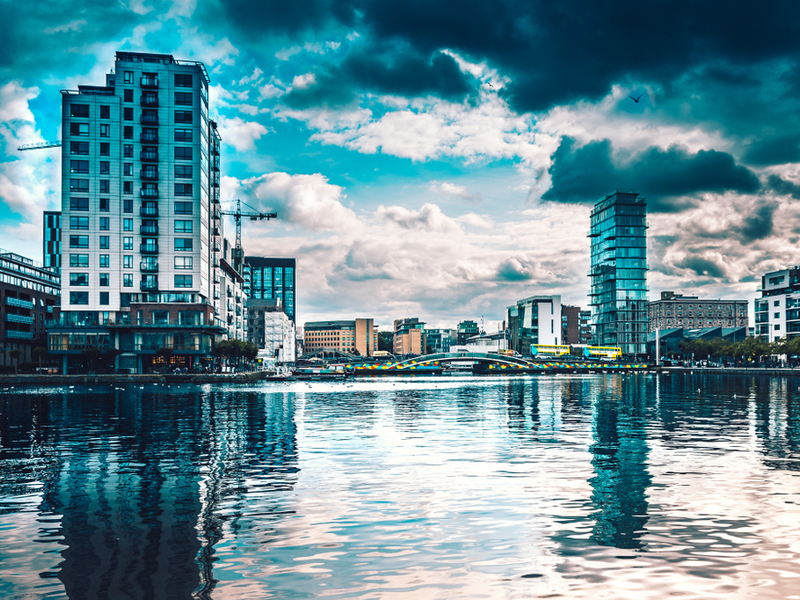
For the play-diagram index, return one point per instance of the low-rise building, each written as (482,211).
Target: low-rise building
(440,340)
(359,337)
(534,320)
(675,311)
(29,302)
(409,337)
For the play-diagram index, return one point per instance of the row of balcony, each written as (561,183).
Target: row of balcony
(19,335)
(19,303)
(19,319)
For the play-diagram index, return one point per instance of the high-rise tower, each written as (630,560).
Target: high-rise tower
(619,272)
(141,221)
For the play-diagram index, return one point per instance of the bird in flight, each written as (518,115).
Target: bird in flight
(636,99)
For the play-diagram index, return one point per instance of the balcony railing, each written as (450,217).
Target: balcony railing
(149,175)
(146,267)
(19,335)
(11,318)
(148,156)
(19,303)
(149,230)
(149,212)
(148,286)
(149,82)
(146,119)
(146,138)
(149,100)
(148,249)
(148,193)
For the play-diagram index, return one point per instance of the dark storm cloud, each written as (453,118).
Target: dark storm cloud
(758,224)
(555,52)
(584,174)
(774,151)
(513,271)
(702,266)
(405,74)
(35,35)
(783,187)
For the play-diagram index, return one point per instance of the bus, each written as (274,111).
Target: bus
(548,350)
(596,352)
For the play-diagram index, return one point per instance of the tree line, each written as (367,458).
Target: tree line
(751,348)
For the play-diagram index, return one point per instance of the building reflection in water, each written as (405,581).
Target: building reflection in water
(142,478)
(619,459)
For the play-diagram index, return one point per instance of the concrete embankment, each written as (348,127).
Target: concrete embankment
(754,372)
(192,378)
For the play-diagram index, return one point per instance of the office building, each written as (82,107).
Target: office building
(358,337)
(674,311)
(532,321)
(29,299)
(585,326)
(441,340)
(409,337)
(143,264)
(272,278)
(777,312)
(570,324)
(618,272)
(51,240)
(466,330)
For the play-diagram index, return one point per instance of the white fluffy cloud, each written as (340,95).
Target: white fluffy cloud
(451,189)
(241,134)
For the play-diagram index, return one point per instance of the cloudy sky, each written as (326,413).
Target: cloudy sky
(439,159)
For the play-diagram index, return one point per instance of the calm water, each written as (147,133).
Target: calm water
(595,486)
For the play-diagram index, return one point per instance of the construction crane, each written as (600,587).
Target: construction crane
(39,146)
(238,252)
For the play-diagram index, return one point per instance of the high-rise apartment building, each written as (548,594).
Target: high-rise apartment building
(271,278)
(619,272)
(409,337)
(142,264)
(777,312)
(51,240)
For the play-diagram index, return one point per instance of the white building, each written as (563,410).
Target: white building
(141,217)
(777,312)
(279,337)
(534,320)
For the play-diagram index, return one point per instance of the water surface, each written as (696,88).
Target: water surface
(579,486)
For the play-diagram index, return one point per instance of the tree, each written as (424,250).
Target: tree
(39,352)
(386,341)
(15,353)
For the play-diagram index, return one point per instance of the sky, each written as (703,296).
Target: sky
(439,159)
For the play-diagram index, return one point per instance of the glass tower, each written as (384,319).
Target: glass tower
(271,278)
(619,272)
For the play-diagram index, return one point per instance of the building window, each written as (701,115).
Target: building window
(182,208)
(127,224)
(776,315)
(183,116)
(183,189)
(104,245)
(183,80)
(79,148)
(777,327)
(105,186)
(104,204)
(80,166)
(79,222)
(183,98)
(127,187)
(105,111)
(105,149)
(79,297)
(183,262)
(79,129)
(79,110)
(183,135)
(127,261)
(105,130)
(127,243)
(183,281)
(127,169)
(105,167)
(104,298)
(127,132)
(183,153)
(181,171)
(78,185)
(105,223)
(79,279)
(104,261)
(183,244)
(127,280)
(127,206)
(79,204)
(183,227)
(79,241)
(127,113)
(127,150)
(128,77)
(79,260)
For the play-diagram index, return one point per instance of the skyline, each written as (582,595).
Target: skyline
(441,162)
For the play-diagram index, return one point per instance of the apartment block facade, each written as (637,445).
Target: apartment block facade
(359,336)
(777,312)
(675,311)
(409,337)
(142,245)
(534,320)
(51,240)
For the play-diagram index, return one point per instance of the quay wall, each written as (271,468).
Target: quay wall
(190,378)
